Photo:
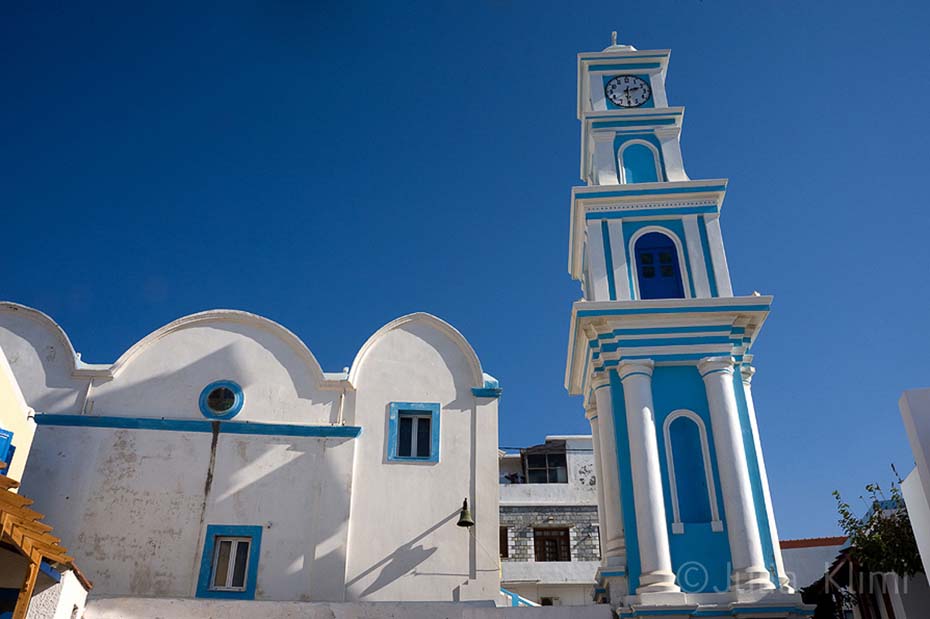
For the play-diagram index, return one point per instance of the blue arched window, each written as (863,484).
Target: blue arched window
(658,272)
(640,164)
(690,476)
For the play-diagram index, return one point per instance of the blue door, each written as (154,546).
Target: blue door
(657,267)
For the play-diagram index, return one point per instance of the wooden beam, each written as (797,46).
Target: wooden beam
(25,593)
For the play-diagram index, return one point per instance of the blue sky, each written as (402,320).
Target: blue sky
(333,166)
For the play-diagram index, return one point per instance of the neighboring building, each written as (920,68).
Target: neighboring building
(38,579)
(915,410)
(808,559)
(659,348)
(549,528)
(215,460)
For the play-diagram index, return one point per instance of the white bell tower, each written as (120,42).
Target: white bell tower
(659,347)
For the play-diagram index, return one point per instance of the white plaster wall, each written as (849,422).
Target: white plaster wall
(15,416)
(918,510)
(568,595)
(805,566)
(60,600)
(127,504)
(298,490)
(42,360)
(165,377)
(403,540)
(147,608)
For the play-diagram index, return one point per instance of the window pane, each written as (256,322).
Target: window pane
(558,475)
(424,437)
(242,555)
(538,476)
(665,257)
(405,440)
(556,460)
(536,462)
(649,272)
(645,258)
(502,543)
(667,271)
(222,564)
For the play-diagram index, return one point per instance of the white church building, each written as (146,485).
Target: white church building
(216,460)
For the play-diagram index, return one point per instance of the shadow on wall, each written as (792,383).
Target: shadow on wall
(402,561)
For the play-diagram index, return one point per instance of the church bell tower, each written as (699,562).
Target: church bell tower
(659,347)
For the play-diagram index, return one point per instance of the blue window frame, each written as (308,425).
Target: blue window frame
(413,432)
(229,564)
(222,399)
(658,271)
(7,449)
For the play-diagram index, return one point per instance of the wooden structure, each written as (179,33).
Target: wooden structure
(23,532)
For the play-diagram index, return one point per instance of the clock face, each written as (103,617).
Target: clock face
(627,91)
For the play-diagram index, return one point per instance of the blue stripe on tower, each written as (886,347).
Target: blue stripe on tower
(609,259)
(705,249)
(618,403)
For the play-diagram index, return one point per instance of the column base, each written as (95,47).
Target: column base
(752,578)
(659,581)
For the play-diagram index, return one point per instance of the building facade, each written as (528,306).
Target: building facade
(660,350)
(549,526)
(215,460)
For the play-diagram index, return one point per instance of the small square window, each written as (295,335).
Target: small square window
(645,258)
(665,257)
(413,432)
(667,271)
(649,272)
(229,566)
(551,545)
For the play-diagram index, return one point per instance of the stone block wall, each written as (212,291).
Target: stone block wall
(581,521)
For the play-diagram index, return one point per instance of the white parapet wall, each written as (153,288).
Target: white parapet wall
(164,608)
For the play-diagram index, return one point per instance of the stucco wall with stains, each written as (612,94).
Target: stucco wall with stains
(131,470)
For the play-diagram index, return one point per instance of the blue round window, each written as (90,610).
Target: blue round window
(221,400)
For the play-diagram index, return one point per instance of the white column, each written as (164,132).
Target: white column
(718,257)
(605,159)
(783,581)
(696,256)
(621,268)
(652,532)
(592,416)
(597,263)
(749,570)
(615,544)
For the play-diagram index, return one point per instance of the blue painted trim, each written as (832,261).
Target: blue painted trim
(628,507)
(652,212)
(662,341)
(608,573)
(6,449)
(669,112)
(650,192)
(46,568)
(708,373)
(206,560)
(396,410)
(483,392)
(196,425)
(624,67)
(675,310)
(708,263)
(609,259)
(741,610)
(607,124)
(237,403)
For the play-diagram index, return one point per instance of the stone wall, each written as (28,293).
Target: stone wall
(581,521)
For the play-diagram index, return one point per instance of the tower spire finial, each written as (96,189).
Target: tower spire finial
(613,38)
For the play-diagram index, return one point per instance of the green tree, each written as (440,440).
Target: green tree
(882,540)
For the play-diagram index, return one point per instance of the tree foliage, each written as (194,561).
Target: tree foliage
(882,540)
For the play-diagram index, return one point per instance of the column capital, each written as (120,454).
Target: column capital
(747,371)
(603,136)
(590,411)
(635,367)
(715,365)
(599,380)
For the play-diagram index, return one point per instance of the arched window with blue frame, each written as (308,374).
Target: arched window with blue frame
(640,163)
(657,268)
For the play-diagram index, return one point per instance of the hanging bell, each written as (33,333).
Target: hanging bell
(465,519)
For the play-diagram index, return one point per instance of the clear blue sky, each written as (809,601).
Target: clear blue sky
(333,166)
